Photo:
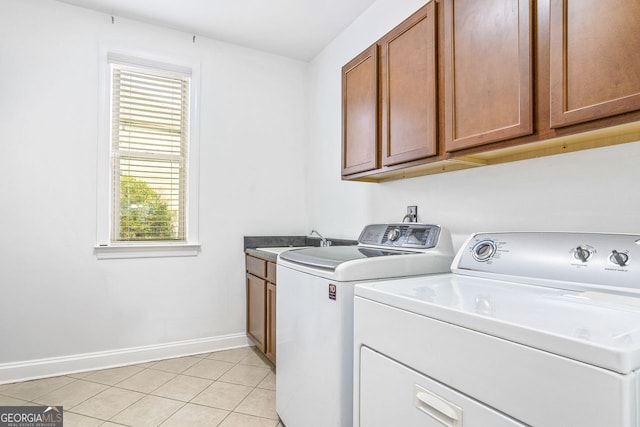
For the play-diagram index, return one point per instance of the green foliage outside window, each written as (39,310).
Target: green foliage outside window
(143,214)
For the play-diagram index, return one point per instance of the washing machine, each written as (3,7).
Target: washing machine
(314,316)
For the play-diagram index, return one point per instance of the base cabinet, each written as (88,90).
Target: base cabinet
(261,304)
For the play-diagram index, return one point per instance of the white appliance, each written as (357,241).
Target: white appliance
(538,329)
(314,316)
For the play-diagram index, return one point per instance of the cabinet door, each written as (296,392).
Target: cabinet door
(271,322)
(595,62)
(487,71)
(409,89)
(256,310)
(360,113)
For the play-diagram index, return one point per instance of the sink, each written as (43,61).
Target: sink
(279,250)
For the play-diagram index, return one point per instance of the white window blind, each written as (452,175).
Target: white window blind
(149,138)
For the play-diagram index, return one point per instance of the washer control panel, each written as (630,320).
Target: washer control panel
(401,235)
(611,260)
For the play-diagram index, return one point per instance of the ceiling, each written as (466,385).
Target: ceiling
(297,29)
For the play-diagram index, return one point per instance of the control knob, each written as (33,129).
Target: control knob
(582,254)
(619,258)
(484,250)
(394,234)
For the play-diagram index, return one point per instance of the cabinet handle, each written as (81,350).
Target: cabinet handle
(437,408)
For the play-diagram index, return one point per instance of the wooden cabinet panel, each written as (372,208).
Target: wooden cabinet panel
(256,310)
(360,113)
(261,304)
(487,71)
(594,59)
(271,272)
(256,266)
(271,322)
(408,73)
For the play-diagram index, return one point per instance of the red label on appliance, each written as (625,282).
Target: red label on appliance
(332,291)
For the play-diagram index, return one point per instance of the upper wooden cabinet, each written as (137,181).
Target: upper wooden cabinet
(409,89)
(488,82)
(468,83)
(360,113)
(594,59)
(390,96)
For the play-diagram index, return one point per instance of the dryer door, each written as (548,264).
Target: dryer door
(393,394)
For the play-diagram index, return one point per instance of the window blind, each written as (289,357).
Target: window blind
(150,111)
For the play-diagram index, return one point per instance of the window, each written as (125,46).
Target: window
(150,156)
(149,119)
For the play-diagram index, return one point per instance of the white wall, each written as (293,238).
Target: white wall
(592,190)
(270,164)
(56,298)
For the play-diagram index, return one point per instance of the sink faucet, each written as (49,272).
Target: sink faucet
(323,242)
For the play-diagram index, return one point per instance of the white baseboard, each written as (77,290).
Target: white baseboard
(54,366)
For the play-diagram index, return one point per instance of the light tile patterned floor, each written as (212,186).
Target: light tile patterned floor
(232,388)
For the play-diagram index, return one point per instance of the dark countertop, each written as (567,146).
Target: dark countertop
(253,242)
(261,254)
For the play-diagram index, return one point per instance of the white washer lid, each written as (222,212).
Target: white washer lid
(331,257)
(597,328)
(404,264)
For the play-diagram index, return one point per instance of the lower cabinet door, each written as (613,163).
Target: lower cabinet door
(256,310)
(392,394)
(271,322)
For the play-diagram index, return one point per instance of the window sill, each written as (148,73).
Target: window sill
(155,250)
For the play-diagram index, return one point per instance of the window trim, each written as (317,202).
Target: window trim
(105,248)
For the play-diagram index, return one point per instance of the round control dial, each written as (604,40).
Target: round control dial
(394,234)
(484,250)
(619,258)
(582,253)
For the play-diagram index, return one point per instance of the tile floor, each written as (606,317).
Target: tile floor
(231,388)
